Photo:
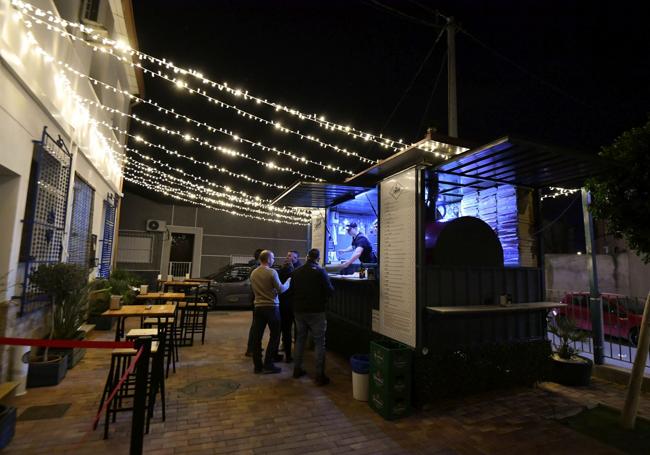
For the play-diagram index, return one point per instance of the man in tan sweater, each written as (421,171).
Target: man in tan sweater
(266,288)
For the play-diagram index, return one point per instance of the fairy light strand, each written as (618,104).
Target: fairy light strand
(173,193)
(213,129)
(230,194)
(558,192)
(196,192)
(384,142)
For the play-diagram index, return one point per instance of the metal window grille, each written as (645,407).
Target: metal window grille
(110,204)
(79,242)
(44,222)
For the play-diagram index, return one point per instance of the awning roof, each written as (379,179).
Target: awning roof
(318,195)
(521,163)
(427,152)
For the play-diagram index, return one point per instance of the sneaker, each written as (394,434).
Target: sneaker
(321,380)
(271,370)
(298,373)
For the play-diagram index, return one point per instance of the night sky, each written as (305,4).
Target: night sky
(563,73)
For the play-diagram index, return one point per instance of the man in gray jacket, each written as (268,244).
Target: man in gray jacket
(266,287)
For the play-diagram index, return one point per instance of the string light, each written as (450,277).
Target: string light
(558,192)
(180,83)
(189,137)
(174,193)
(247,205)
(157,178)
(233,195)
(213,129)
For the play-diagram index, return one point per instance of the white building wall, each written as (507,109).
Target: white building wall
(31,98)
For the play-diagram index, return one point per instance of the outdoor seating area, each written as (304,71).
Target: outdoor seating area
(215,405)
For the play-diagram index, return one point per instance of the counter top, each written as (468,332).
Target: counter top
(531,306)
(348,278)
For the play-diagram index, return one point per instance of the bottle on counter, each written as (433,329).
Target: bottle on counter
(362,273)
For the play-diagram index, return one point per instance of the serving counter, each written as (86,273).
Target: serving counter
(349,314)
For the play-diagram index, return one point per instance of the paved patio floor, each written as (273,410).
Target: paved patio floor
(278,414)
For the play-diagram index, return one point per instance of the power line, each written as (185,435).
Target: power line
(443,63)
(417,73)
(524,70)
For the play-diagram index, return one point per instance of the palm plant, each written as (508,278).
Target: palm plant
(568,332)
(66,286)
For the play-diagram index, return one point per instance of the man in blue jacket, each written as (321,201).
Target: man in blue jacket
(310,287)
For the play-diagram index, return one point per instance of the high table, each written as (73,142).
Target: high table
(183,320)
(154,311)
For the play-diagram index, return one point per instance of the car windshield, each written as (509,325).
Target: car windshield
(231,273)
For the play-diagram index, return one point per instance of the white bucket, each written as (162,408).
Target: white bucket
(360,386)
(144,288)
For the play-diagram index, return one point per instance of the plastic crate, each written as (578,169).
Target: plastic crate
(390,379)
(389,405)
(400,383)
(390,357)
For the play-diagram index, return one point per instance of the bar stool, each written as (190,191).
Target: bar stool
(121,359)
(168,325)
(199,320)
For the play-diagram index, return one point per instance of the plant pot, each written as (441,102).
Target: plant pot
(73,355)
(101,322)
(7,425)
(42,374)
(572,372)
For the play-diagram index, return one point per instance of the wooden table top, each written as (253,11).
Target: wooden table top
(141,310)
(160,296)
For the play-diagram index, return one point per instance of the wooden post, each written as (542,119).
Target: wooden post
(631,407)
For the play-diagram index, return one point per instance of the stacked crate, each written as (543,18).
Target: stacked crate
(390,379)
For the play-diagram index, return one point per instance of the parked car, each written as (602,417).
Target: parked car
(619,318)
(230,287)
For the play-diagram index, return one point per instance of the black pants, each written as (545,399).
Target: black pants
(266,316)
(287,316)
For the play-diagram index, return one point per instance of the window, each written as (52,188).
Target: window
(80,246)
(45,214)
(135,248)
(107,240)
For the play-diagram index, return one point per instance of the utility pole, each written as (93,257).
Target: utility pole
(452,108)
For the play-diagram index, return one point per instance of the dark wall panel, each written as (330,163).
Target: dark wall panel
(239,246)
(236,235)
(222,223)
(212,264)
(184,216)
(136,210)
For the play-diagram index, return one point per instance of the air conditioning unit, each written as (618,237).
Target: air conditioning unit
(156,225)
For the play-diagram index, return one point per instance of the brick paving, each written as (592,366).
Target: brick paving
(275,414)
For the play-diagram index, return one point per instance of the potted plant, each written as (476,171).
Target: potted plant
(65,284)
(124,283)
(569,368)
(99,296)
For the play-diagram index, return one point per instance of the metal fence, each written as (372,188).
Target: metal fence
(621,325)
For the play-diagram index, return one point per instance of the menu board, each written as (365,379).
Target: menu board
(397,240)
(318,232)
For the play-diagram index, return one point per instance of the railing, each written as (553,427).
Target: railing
(179,269)
(621,324)
(240,258)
